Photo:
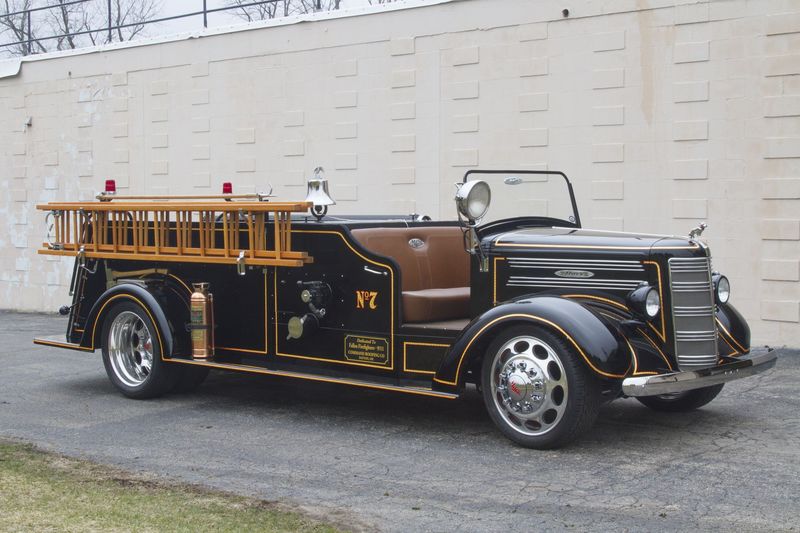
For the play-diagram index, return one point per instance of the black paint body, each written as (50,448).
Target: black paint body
(366,340)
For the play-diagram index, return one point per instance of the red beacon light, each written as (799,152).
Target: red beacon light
(111,190)
(227,188)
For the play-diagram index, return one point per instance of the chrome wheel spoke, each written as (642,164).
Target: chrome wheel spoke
(147,364)
(130,347)
(529,385)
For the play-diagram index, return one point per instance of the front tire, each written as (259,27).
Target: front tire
(132,352)
(682,401)
(536,390)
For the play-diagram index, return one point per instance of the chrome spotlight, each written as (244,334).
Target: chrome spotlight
(317,193)
(473,199)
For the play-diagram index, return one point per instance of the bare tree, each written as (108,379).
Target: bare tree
(67,26)
(279,8)
(17,27)
(128,19)
(310,6)
(132,14)
(266,11)
(65,20)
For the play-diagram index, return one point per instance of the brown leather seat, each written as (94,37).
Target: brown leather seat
(428,305)
(434,276)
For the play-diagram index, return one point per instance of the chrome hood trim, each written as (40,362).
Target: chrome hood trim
(574,238)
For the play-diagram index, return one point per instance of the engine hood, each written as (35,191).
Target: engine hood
(566,239)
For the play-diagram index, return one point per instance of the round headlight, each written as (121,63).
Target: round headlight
(645,301)
(652,303)
(722,289)
(473,199)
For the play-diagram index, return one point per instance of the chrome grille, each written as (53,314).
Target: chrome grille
(693,312)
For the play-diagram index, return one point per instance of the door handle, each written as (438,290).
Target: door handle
(372,271)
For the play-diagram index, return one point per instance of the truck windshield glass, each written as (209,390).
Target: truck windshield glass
(524,194)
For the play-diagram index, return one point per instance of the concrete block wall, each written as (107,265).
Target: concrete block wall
(663,112)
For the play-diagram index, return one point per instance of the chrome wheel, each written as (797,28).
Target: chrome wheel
(130,349)
(529,385)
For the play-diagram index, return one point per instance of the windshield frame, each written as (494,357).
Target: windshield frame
(522,219)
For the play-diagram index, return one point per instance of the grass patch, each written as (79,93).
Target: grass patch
(42,491)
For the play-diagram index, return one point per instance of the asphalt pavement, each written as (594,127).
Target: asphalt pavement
(391,462)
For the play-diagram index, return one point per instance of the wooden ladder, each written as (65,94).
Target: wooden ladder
(174,229)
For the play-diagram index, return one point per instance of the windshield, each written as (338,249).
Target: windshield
(528,193)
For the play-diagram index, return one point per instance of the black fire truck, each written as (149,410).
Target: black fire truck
(547,319)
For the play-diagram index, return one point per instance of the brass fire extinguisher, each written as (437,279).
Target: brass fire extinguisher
(202,322)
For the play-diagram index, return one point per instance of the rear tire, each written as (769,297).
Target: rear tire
(537,390)
(132,352)
(682,401)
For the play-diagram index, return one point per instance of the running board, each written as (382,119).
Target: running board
(325,379)
(59,342)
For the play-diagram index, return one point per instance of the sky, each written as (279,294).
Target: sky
(177,7)
(170,8)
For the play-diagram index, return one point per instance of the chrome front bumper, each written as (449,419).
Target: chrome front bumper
(753,364)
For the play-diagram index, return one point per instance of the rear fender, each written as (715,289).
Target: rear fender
(141,293)
(601,346)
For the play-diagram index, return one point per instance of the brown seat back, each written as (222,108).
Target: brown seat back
(440,263)
(448,261)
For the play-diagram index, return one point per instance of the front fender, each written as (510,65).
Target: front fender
(601,347)
(734,333)
(140,294)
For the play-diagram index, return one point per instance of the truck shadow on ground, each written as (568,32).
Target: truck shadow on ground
(264,397)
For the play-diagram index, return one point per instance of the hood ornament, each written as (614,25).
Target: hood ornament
(696,232)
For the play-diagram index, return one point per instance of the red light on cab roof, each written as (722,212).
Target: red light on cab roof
(227,188)
(111,186)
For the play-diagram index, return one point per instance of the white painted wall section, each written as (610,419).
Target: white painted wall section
(664,113)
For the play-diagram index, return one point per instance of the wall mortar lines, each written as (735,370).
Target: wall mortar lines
(780,183)
(661,117)
(608,123)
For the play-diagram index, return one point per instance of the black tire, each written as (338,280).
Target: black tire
(132,361)
(682,401)
(189,377)
(579,394)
